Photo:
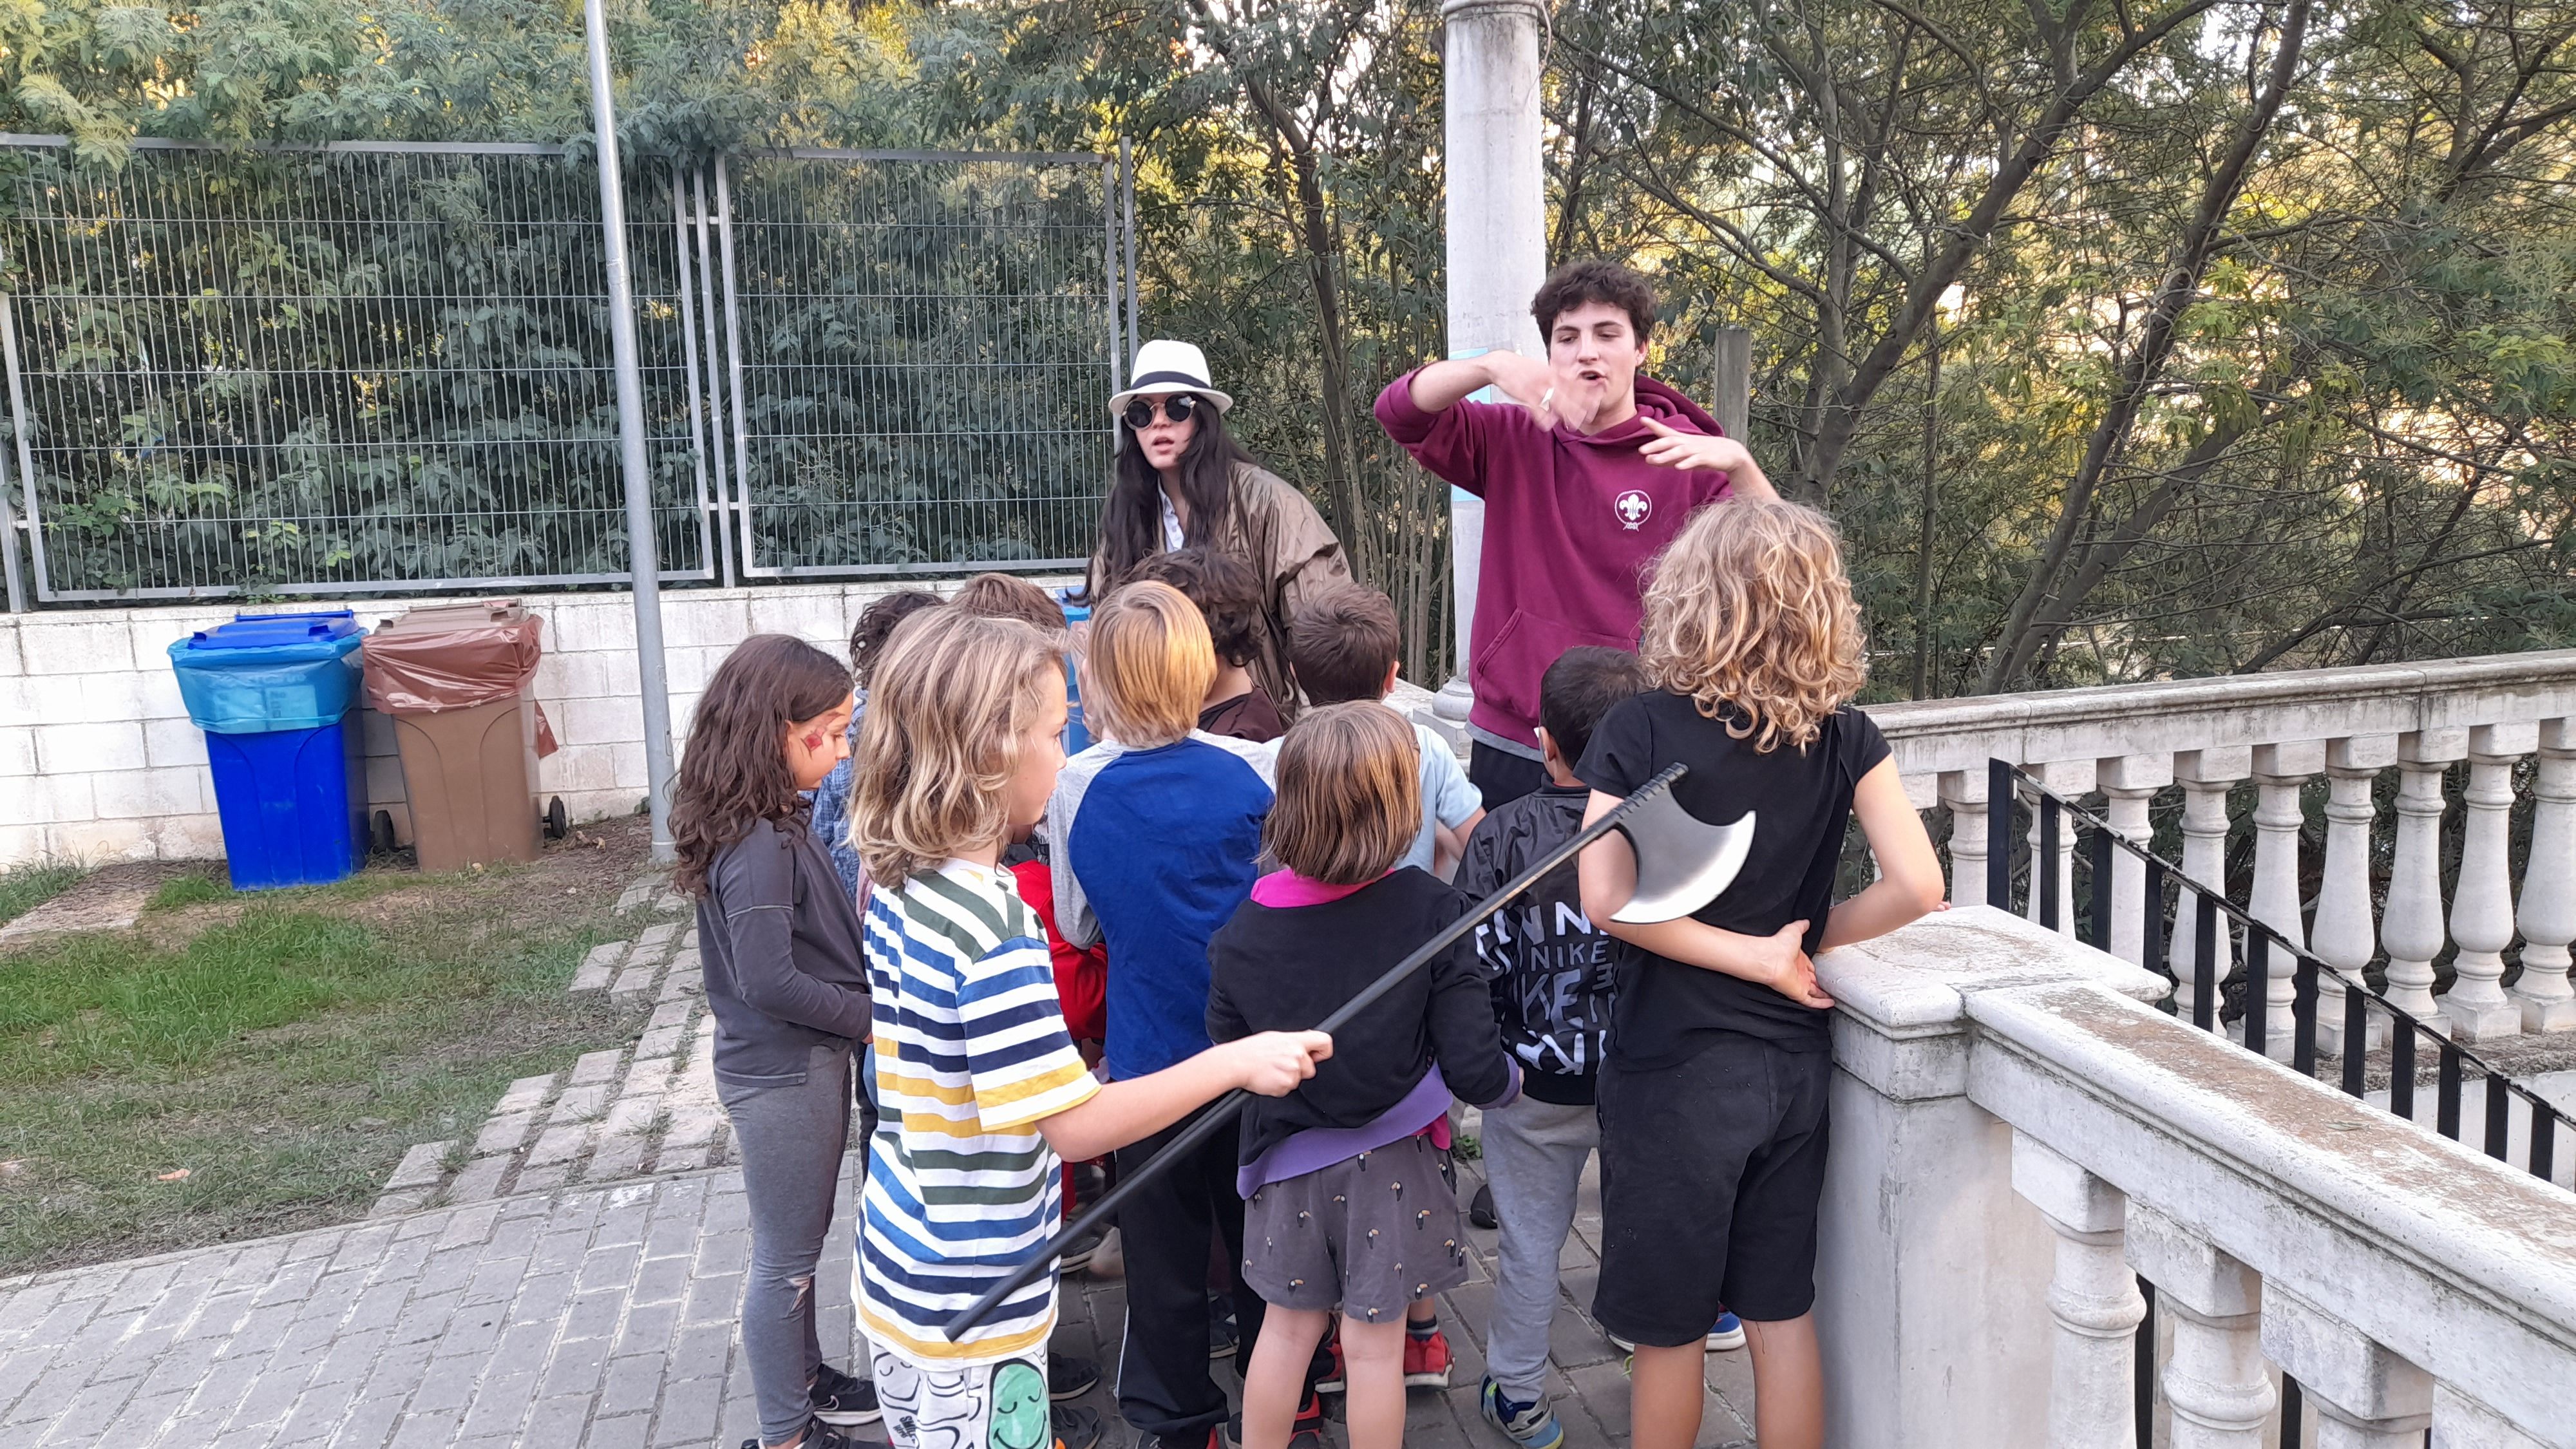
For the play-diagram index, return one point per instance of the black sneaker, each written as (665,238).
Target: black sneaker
(1218,1436)
(1076,1428)
(1222,1335)
(1077,1253)
(1070,1376)
(843,1400)
(819,1435)
(1480,1211)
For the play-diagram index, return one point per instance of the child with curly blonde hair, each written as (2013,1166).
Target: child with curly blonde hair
(1712,1091)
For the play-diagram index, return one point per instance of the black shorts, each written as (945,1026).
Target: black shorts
(1710,1175)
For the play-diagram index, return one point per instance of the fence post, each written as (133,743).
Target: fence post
(1733,370)
(643,559)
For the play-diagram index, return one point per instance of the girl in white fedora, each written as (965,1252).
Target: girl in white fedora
(1183,482)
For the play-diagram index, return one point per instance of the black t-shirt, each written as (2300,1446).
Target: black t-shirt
(1800,799)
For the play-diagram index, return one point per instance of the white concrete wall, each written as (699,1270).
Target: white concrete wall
(98,760)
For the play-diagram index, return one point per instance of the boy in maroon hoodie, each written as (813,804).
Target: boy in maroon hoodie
(1586,475)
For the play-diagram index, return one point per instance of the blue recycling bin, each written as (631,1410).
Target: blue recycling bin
(277,696)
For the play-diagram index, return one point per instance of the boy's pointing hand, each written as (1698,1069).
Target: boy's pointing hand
(1273,1063)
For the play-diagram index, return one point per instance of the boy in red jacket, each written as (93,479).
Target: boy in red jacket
(1585,476)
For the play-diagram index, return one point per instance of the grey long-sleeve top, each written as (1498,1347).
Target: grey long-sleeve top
(779,940)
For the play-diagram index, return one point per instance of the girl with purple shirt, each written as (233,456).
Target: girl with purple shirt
(1347,1200)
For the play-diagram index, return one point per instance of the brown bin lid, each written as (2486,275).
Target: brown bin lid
(452,656)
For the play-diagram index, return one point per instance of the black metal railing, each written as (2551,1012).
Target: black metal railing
(2409,1036)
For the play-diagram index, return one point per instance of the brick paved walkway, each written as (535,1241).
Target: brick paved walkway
(597,1315)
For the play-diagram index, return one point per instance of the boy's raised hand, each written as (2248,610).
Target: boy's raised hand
(1273,1063)
(1673,448)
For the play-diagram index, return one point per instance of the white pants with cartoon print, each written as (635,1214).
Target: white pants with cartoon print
(964,1406)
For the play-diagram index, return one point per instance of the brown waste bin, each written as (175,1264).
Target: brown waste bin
(458,682)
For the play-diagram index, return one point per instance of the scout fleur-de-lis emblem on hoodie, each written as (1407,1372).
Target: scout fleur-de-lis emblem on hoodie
(1634,507)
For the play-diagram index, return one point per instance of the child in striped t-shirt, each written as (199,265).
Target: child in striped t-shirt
(980,1086)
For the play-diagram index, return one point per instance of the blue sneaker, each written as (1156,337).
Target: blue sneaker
(1532,1425)
(1728,1334)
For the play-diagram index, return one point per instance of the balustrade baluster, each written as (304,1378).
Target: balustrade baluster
(2548,911)
(2280,772)
(2365,1397)
(2214,1380)
(1964,792)
(2411,928)
(2482,907)
(2092,1296)
(2072,779)
(2345,936)
(2129,784)
(2205,776)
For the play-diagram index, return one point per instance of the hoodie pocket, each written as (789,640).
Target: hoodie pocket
(1506,671)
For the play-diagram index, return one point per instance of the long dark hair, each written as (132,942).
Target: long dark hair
(1131,521)
(735,770)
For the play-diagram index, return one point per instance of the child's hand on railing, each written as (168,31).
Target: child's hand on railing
(1273,1063)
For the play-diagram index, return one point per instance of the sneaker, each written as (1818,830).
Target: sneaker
(1070,1375)
(1218,1436)
(1076,1428)
(1728,1335)
(1532,1425)
(1307,1432)
(1222,1335)
(1332,1380)
(1109,1260)
(819,1435)
(1426,1360)
(1078,1253)
(1480,1210)
(842,1400)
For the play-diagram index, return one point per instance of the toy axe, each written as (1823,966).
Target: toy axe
(1682,865)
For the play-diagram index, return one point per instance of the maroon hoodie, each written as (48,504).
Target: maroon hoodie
(1570,524)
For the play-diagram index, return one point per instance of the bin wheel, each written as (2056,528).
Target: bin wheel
(558,824)
(380,832)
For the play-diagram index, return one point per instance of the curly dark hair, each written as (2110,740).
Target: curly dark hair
(734,773)
(1224,588)
(1591,280)
(876,626)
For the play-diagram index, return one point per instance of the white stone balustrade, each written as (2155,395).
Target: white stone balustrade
(2014,1123)
(2510,718)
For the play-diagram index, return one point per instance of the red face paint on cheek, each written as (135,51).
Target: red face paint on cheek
(814,739)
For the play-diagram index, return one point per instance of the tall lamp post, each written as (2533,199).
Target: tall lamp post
(1497,237)
(643,559)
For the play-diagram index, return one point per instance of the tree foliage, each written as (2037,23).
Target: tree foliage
(2125,337)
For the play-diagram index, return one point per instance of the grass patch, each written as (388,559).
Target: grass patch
(186,890)
(30,886)
(283,1056)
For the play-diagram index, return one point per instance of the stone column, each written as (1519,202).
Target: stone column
(2345,936)
(2206,776)
(2214,1381)
(2411,928)
(1497,235)
(2482,907)
(2072,779)
(2092,1297)
(2365,1396)
(2548,914)
(2129,785)
(2280,772)
(1964,793)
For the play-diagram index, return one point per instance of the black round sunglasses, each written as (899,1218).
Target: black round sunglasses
(1176,407)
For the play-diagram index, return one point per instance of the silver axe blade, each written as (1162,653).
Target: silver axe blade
(1683,862)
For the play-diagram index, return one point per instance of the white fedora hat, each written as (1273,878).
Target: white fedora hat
(1164,367)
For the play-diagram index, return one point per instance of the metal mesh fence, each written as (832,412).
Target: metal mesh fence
(925,347)
(321,369)
(384,366)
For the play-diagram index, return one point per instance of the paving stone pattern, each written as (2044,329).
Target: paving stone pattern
(584,1315)
(647,1108)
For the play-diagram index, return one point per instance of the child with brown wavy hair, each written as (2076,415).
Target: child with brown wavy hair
(1712,1090)
(780,940)
(980,1084)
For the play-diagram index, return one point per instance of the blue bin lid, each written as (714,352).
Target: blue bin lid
(305,635)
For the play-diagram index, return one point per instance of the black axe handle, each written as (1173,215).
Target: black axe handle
(1217,1117)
